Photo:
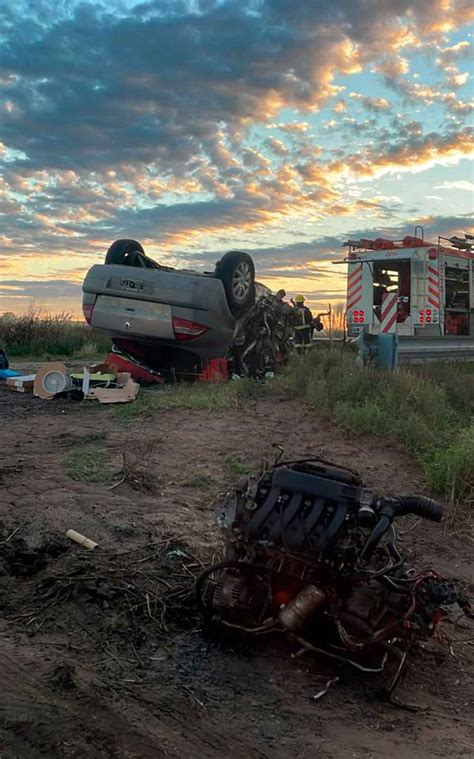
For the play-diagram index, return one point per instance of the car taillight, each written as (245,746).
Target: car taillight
(187,330)
(87,309)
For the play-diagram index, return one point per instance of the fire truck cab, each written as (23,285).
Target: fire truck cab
(434,283)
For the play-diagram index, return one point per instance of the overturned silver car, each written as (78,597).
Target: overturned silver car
(176,320)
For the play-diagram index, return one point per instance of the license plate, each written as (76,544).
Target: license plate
(133,285)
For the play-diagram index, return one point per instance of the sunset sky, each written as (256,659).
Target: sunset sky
(280,127)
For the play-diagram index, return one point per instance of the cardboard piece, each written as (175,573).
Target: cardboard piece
(51,378)
(21,384)
(126,391)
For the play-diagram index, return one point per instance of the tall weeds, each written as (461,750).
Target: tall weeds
(40,334)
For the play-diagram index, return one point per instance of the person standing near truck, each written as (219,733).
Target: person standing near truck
(304,325)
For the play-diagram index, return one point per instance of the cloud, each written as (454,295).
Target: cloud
(456,106)
(72,212)
(412,154)
(157,85)
(19,294)
(451,54)
(277,146)
(393,68)
(183,123)
(299,267)
(460,184)
(340,106)
(370,103)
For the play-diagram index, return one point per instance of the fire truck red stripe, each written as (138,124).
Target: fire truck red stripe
(354,291)
(355,272)
(357,295)
(433,302)
(433,283)
(354,303)
(387,327)
(355,282)
(388,304)
(433,271)
(433,291)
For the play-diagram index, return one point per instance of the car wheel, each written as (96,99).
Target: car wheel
(124,252)
(237,273)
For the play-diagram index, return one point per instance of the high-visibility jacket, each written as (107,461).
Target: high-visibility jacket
(305,319)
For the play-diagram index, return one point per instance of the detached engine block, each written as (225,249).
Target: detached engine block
(310,550)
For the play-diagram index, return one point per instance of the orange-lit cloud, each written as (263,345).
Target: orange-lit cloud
(182,127)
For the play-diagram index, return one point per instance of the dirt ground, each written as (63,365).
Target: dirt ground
(103,654)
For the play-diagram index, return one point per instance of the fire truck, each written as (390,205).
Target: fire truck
(433,284)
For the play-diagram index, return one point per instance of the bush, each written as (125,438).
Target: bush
(41,335)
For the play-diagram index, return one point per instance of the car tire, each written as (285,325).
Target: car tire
(122,252)
(237,273)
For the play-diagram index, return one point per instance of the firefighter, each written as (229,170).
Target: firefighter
(304,325)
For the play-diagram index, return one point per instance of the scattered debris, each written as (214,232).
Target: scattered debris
(320,693)
(126,390)
(21,383)
(6,374)
(81,539)
(312,553)
(122,598)
(101,382)
(51,379)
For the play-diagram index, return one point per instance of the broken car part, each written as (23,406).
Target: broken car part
(311,551)
(263,341)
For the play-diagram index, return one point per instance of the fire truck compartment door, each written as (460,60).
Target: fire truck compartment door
(359,295)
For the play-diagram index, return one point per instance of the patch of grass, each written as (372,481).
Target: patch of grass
(198,396)
(456,378)
(90,464)
(429,411)
(96,436)
(454,465)
(236,466)
(199,481)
